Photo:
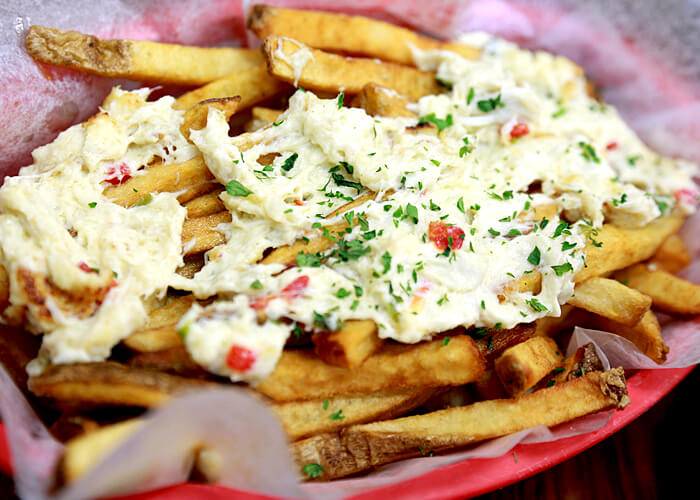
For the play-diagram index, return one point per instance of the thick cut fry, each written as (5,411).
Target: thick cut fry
(646,335)
(349,34)
(307,418)
(672,255)
(160,178)
(489,387)
(520,367)
(611,299)
(497,340)
(300,375)
(380,101)
(584,360)
(262,117)
(193,264)
(253,85)
(617,247)
(549,326)
(200,234)
(333,73)
(86,385)
(136,59)
(206,204)
(361,447)
(84,452)
(196,117)
(668,293)
(350,346)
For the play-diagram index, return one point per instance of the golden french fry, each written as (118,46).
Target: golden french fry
(350,34)
(350,346)
(496,340)
(193,264)
(153,339)
(306,418)
(200,234)
(531,282)
(668,293)
(196,117)
(672,255)
(333,73)
(646,335)
(380,101)
(616,247)
(520,367)
(136,59)
(361,447)
(549,326)
(253,85)
(300,375)
(262,117)
(86,385)
(84,452)
(160,178)
(206,204)
(611,299)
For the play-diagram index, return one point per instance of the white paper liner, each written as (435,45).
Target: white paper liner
(659,104)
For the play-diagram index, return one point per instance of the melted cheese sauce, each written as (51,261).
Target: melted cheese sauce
(523,169)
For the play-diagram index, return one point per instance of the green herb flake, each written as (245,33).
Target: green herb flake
(536,305)
(289,162)
(144,200)
(386,262)
(460,205)
(588,152)
(440,123)
(337,415)
(341,96)
(470,96)
(235,188)
(308,260)
(312,470)
(412,212)
(563,268)
(534,257)
(487,105)
(256,285)
(92,204)
(446,341)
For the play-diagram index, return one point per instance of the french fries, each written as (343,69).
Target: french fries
(611,299)
(361,447)
(196,117)
(349,346)
(349,34)
(520,367)
(327,72)
(299,375)
(137,59)
(668,292)
(380,101)
(646,335)
(672,255)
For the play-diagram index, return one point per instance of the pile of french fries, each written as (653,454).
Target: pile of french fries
(348,400)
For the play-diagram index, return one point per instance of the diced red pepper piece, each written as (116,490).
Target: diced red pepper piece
(84,267)
(611,145)
(289,292)
(441,235)
(688,196)
(299,203)
(295,288)
(117,174)
(519,129)
(240,358)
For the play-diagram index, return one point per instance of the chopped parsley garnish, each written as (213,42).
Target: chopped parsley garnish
(558,112)
(144,200)
(348,168)
(312,470)
(563,225)
(467,148)
(320,320)
(588,152)
(470,96)
(446,341)
(277,124)
(460,205)
(563,268)
(440,123)
(289,162)
(235,188)
(342,181)
(632,160)
(386,262)
(337,415)
(341,96)
(487,105)
(92,204)
(662,205)
(298,331)
(536,305)
(534,257)
(567,246)
(256,285)
(342,293)
(358,291)
(412,212)
(514,232)
(325,404)
(622,200)
(308,260)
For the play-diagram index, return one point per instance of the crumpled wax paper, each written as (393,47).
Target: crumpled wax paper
(641,54)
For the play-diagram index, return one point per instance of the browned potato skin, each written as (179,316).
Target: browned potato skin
(668,293)
(520,367)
